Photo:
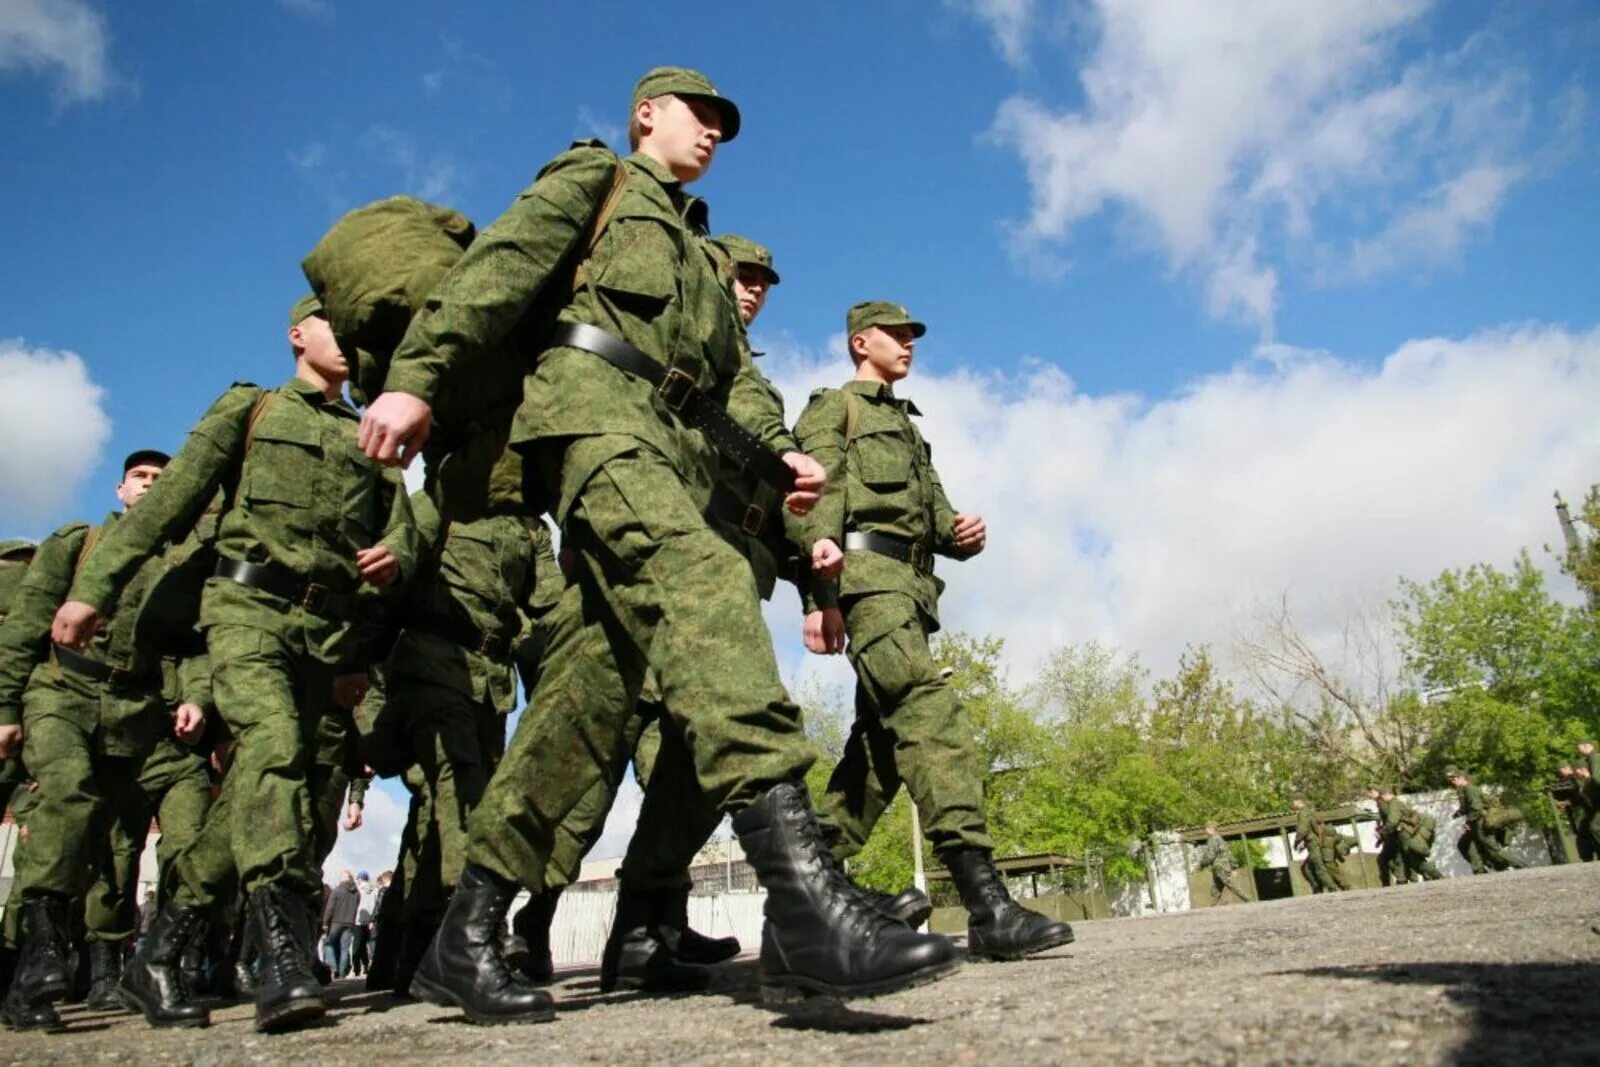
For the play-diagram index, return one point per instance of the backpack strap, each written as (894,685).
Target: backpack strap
(84,549)
(852,417)
(598,224)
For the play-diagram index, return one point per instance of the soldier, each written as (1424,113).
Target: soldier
(1412,832)
(620,416)
(14,559)
(1216,855)
(1484,838)
(1586,807)
(452,682)
(305,520)
(886,510)
(1391,868)
(87,721)
(1321,867)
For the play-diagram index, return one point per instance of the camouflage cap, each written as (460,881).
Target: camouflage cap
(880,313)
(681,81)
(145,457)
(304,308)
(744,251)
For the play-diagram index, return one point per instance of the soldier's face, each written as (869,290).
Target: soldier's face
(680,133)
(889,349)
(136,483)
(314,343)
(750,288)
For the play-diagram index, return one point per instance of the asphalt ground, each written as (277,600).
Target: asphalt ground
(1501,968)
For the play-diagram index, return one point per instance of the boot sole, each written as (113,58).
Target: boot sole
(288,1016)
(132,1003)
(423,989)
(985,955)
(794,988)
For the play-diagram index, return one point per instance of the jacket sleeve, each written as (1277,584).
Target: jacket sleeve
(25,633)
(489,289)
(820,434)
(755,403)
(173,506)
(944,517)
(371,631)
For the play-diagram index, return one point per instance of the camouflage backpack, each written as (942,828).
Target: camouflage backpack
(373,271)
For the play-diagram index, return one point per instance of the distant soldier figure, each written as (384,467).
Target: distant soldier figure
(1316,839)
(1571,796)
(1586,809)
(1488,831)
(1411,831)
(1216,855)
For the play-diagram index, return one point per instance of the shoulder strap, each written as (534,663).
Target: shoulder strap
(258,411)
(598,224)
(852,416)
(89,538)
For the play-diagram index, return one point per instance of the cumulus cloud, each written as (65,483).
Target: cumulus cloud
(1151,524)
(53,427)
(66,38)
(1230,133)
(1009,22)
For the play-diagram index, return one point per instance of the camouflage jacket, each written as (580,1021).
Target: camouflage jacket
(131,711)
(483,579)
(1216,854)
(651,280)
(881,479)
(1470,803)
(301,496)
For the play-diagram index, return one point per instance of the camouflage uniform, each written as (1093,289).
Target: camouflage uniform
(881,480)
(14,559)
(1216,855)
(301,500)
(1321,866)
(1483,843)
(1411,831)
(630,484)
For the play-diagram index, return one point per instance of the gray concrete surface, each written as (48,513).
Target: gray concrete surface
(1502,968)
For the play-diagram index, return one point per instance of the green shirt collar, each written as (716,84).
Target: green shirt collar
(692,207)
(313,396)
(880,391)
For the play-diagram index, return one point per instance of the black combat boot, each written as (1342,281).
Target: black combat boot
(44,967)
(821,936)
(637,955)
(910,908)
(532,924)
(105,971)
(998,927)
(415,936)
(463,965)
(687,943)
(287,991)
(152,981)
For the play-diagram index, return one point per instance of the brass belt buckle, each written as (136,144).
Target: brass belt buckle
(315,599)
(676,390)
(754,518)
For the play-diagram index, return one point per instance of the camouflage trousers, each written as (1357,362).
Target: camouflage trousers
(909,726)
(456,743)
(1222,884)
(80,785)
(272,695)
(1414,857)
(175,791)
(1485,848)
(656,588)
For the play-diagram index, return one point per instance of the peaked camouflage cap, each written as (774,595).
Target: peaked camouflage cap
(304,308)
(880,313)
(744,251)
(681,81)
(145,457)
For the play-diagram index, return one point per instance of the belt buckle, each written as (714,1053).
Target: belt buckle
(315,599)
(755,517)
(676,390)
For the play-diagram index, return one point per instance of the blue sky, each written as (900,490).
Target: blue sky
(1226,298)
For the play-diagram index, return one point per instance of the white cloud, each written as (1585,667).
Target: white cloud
(66,37)
(1149,525)
(1009,21)
(592,125)
(1232,132)
(374,846)
(428,176)
(53,428)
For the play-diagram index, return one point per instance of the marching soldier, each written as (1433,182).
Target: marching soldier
(1484,839)
(1218,857)
(885,513)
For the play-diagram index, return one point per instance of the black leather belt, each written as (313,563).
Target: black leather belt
(71,659)
(913,552)
(286,584)
(463,633)
(684,398)
(748,516)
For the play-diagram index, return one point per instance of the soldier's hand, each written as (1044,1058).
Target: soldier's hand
(809,482)
(378,565)
(350,689)
(971,533)
(10,741)
(352,816)
(824,632)
(394,428)
(75,623)
(827,559)
(188,723)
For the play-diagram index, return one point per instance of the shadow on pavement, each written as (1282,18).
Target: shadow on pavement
(1521,1012)
(835,1017)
